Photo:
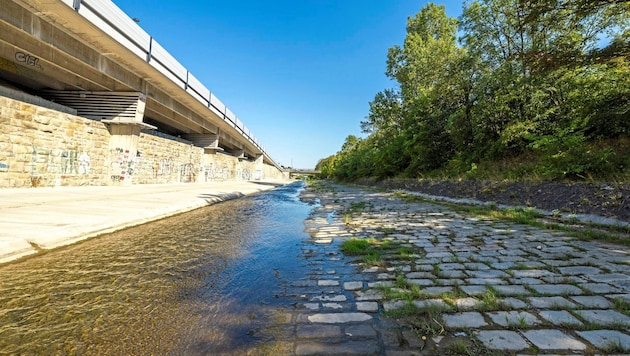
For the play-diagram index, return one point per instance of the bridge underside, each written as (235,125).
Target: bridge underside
(49,50)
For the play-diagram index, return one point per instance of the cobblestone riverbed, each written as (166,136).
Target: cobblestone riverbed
(442,282)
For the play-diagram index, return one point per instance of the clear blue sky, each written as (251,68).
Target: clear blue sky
(298,73)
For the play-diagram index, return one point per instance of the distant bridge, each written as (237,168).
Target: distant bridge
(302,172)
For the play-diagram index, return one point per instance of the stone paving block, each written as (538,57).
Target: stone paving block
(311,306)
(553,340)
(516,259)
(556,289)
(385,276)
(423,266)
(592,301)
(327,282)
(448,282)
(467,303)
(604,339)
(526,281)
(451,266)
(550,302)
(436,290)
(559,318)
(502,265)
(330,298)
(394,305)
(560,279)
(489,273)
(360,331)
(370,294)
(511,290)
(502,340)
(474,290)
(604,317)
(429,303)
(532,273)
(452,274)
(514,303)
(485,281)
(346,348)
(475,266)
(420,282)
(355,285)
(599,288)
(439,255)
(380,284)
(580,270)
(335,318)
(419,275)
(369,307)
(609,277)
(318,331)
(464,320)
(513,318)
(332,306)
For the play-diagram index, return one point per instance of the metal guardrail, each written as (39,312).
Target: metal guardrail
(115,22)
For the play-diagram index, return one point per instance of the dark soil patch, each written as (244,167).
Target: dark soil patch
(603,199)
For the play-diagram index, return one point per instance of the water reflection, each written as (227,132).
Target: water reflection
(197,283)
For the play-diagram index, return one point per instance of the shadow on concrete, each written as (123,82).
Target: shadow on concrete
(217,198)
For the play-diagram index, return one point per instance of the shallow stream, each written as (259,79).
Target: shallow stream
(196,283)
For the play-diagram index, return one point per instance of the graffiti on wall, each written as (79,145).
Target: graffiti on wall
(28,59)
(162,167)
(215,173)
(186,173)
(123,164)
(65,162)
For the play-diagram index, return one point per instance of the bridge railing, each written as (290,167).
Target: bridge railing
(116,23)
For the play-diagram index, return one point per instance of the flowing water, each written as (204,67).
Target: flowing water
(196,283)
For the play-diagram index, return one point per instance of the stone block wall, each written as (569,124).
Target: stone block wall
(44,147)
(160,160)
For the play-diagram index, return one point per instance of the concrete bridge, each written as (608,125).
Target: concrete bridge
(89,57)
(302,172)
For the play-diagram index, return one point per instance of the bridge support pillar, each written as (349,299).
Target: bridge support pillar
(258,164)
(209,142)
(240,154)
(123,152)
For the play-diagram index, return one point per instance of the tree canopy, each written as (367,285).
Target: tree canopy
(543,84)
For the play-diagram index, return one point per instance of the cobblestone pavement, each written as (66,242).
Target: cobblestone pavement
(446,283)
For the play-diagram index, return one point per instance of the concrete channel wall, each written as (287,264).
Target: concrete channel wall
(44,147)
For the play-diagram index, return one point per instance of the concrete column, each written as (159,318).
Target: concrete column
(123,153)
(258,171)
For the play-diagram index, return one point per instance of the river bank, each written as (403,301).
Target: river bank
(34,220)
(608,200)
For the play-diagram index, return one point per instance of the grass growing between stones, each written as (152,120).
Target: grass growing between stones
(583,231)
(372,250)
(621,306)
(463,346)
(426,320)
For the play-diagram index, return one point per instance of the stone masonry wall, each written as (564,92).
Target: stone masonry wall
(160,160)
(43,147)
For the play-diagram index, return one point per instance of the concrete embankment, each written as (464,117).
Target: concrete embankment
(37,219)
